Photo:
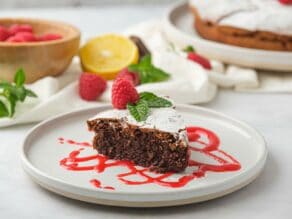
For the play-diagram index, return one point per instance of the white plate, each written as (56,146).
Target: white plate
(178,27)
(42,152)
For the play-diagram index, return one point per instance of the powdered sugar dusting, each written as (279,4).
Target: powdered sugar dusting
(247,14)
(164,119)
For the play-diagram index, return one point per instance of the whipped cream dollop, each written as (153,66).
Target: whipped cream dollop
(252,15)
(163,119)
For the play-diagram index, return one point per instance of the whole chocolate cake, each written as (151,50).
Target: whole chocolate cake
(258,24)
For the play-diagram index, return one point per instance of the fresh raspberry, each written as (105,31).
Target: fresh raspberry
(91,86)
(286,2)
(14,39)
(25,37)
(20,28)
(4,33)
(123,92)
(49,37)
(200,60)
(129,76)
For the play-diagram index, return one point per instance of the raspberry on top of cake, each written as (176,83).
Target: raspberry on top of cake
(264,24)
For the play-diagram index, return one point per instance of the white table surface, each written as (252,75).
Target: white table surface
(269,196)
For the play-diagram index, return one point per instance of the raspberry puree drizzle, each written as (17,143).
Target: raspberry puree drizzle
(224,162)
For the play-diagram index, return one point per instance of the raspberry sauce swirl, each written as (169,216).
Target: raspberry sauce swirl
(202,141)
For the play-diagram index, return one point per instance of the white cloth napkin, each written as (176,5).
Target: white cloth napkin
(189,82)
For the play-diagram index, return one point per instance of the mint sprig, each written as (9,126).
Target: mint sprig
(11,93)
(147,72)
(141,110)
(154,101)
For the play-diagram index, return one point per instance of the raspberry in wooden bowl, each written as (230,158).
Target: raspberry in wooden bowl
(41,47)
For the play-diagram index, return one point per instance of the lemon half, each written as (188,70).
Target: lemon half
(106,55)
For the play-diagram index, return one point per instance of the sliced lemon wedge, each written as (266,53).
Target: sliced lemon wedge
(106,55)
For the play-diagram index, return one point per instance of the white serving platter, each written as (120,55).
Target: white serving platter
(178,25)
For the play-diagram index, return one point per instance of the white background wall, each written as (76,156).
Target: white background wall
(4,4)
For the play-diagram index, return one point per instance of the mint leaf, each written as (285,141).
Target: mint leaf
(154,101)
(11,99)
(12,93)
(139,111)
(147,95)
(12,102)
(189,48)
(20,93)
(148,73)
(19,77)
(30,93)
(145,61)
(3,110)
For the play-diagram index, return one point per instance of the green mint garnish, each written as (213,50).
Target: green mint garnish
(3,110)
(189,48)
(11,93)
(148,73)
(154,101)
(19,78)
(141,110)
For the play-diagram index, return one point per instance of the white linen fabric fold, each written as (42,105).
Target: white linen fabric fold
(189,82)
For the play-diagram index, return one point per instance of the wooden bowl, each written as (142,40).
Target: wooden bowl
(38,59)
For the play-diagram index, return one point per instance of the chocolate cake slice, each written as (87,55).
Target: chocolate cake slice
(160,142)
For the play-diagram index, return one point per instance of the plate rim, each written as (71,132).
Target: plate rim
(33,171)
(148,204)
(169,26)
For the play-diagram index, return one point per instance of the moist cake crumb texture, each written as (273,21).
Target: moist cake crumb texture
(160,142)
